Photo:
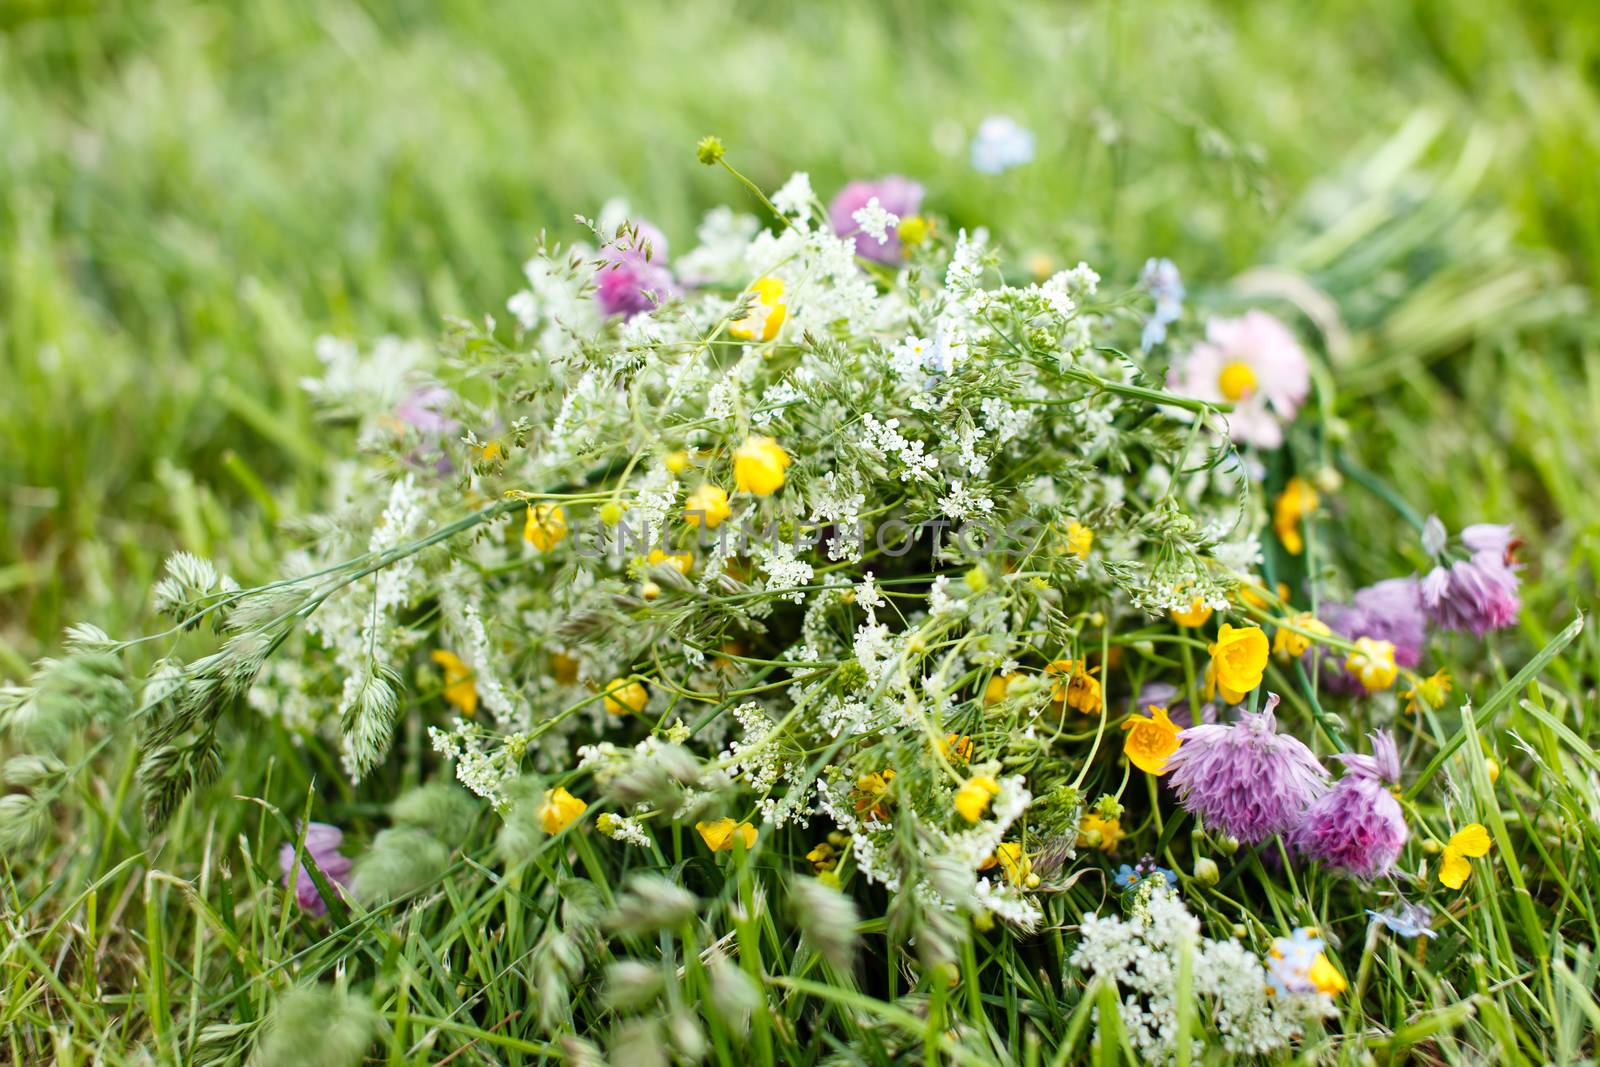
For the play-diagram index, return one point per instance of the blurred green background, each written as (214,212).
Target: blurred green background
(191,192)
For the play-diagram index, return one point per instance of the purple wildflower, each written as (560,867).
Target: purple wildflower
(1246,779)
(896,194)
(1390,610)
(322,849)
(1479,593)
(1358,826)
(634,276)
(424,410)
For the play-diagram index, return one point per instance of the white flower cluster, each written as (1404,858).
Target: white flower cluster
(1141,954)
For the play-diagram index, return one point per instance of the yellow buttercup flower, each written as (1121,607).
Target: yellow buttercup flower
(1296,501)
(719,835)
(1197,614)
(1150,741)
(1078,687)
(957,747)
(546,526)
(1238,660)
(1428,693)
(1096,831)
(1080,539)
(563,668)
(1325,977)
(1016,864)
(708,504)
(626,695)
(913,230)
(459,688)
(1372,663)
(1287,642)
(995,690)
(559,810)
(823,858)
(676,462)
(684,561)
(763,322)
(973,798)
(758,466)
(1471,841)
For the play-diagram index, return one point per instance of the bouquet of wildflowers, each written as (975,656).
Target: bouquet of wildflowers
(836,548)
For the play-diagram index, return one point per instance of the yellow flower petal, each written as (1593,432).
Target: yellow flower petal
(708,504)
(1454,869)
(719,835)
(1151,740)
(546,526)
(559,810)
(1326,977)
(1238,660)
(1471,840)
(763,322)
(624,695)
(459,688)
(758,466)
(972,799)
(1196,615)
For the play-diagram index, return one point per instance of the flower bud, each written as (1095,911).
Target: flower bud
(1206,871)
(710,150)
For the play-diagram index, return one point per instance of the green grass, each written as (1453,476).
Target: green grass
(190,193)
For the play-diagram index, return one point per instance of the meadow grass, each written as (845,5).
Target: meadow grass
(190,193)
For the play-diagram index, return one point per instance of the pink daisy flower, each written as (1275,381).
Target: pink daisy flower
(1254,363)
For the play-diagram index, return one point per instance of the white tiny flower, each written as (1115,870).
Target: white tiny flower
(795,198)
(875,221)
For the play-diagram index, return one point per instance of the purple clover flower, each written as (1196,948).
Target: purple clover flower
(1479,593)
(1244,778)
(424,410)
(896,194)
(321,848)
(634,276)
(1358,826)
